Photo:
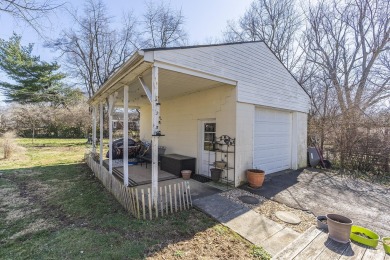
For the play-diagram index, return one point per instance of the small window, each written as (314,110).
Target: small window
(209,136)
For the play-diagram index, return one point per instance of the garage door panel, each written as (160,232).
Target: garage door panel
(272,140)
(268,149)
(275,134)
(272,130)
(273,156)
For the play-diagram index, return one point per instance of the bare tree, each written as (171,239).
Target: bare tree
(348,42)
(29,11)
(44,121)
(28,117)
(94,50)
(163,26)
(276,22)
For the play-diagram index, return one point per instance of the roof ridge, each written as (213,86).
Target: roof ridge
(198,46)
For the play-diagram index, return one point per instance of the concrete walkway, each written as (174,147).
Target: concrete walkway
(254,227)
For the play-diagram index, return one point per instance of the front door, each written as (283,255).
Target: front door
(207,146)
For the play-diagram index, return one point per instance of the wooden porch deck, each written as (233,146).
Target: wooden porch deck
(140,175)
(315,244)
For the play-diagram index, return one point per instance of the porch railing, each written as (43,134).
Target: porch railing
(138,202)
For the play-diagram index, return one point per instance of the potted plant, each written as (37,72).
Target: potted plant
(255,178)
(220,164)
(339,228)
(186,174)
(322,222)
(215,174)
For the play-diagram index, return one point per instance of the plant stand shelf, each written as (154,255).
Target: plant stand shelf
(225,150)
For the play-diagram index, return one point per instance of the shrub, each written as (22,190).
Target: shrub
(8,144)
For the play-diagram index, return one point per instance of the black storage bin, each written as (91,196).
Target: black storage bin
(175,163)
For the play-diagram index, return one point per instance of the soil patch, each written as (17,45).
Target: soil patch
(212,243)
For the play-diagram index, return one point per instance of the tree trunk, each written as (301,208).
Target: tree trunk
(33,132)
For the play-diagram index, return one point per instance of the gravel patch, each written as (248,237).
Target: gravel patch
(268,208)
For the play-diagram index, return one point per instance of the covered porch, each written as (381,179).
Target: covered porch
(138,174)
(173,100)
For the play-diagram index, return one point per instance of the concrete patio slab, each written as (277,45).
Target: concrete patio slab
(219,208)
(254,227)
(323,192)
(279,240)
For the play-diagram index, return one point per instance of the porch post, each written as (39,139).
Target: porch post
(155,133)
(94,129)
(126,135)
(110,109)
(101,133)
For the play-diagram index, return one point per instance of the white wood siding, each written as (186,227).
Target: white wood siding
(262,79)
(244,141)
(180,117)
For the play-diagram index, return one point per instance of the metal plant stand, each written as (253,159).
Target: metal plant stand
(225,150)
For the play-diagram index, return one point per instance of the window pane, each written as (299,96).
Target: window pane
(208,146)
(209,127)
(209,137)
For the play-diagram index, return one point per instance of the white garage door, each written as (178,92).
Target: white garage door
(272,140)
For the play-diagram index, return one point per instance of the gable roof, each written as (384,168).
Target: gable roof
(225,44)
(261,79)
(198,46)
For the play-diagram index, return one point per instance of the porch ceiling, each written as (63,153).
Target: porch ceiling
(170,83)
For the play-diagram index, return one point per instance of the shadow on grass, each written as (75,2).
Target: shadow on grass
(82,219)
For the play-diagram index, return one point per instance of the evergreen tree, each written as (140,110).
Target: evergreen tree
(31,80)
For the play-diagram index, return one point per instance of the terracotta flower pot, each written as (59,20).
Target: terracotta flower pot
(186,174)
(220,164)
(255,178)
(339,228)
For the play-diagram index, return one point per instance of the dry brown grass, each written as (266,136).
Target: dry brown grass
(217,242)
(9,145)
(17,208)
(53,208)
(38,225)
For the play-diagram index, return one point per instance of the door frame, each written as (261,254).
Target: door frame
(200,140)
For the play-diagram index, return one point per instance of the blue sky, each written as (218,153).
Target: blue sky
(204,19)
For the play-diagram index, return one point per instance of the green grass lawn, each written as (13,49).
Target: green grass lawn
(52,207)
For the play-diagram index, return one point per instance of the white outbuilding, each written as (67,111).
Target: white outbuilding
(190,96)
